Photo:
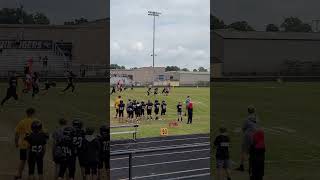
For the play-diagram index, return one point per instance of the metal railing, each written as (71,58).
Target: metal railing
(150,150)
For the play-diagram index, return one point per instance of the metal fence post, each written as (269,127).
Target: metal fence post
(130,166)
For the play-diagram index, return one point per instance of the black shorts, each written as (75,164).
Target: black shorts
(149,112)
(117,111)
(32,162)
(120,113)
(69,164)
(23,154)
(138,114)
(156,111)
(163,112)
(142,112)
(91,168)
(104,163)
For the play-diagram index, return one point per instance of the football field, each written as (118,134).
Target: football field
(88,104)
(289,114)
(201,119)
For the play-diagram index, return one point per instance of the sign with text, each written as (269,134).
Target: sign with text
(25,44)
(164,132)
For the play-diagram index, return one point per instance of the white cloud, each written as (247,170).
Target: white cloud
(182,33)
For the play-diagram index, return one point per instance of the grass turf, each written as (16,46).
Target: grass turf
(201,118)
(88,103)
(289,115)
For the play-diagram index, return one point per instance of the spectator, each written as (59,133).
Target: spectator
(190,112)
(257,155)
(248,128)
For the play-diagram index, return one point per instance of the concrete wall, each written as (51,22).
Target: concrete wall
(266,56)
(193,78)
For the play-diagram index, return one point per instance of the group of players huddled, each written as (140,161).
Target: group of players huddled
(31,82)
(69,144)
(136,110)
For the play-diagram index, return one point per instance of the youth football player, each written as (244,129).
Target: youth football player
(35,84)
(163,109)
(91,150)
(149,110)
(121,111)
(37,147)
(179,111)
(65,153)
(12,89)
(143,107)
(104,140)
(70,77)
(156,109)
(78,137)
(222,144)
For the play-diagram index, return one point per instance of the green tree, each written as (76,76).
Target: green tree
(172,68)
(294,24)
(202,69)
(185,69)
(116,66)
(241,26)
(40,18)
(272,28)
(195,70)
(76,21)
(216,23)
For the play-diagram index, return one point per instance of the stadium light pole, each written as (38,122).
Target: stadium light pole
(154,14)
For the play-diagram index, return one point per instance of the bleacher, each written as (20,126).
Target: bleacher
(16,60)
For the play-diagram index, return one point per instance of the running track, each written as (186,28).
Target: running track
(191,163)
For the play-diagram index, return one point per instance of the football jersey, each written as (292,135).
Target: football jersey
(121,106)
(179,107)
(149,106)
(222,142)
(164,106)
(156,105)
(36,141)
(77,139)
(104,147)
(91,148)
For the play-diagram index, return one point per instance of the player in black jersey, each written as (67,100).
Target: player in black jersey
(179,111)
(149,109)
(12,89)
(104,140)
(35,84)
(130,112)
(65,154)
(149,91)
(156,109)
(113,90)
(77,141)
(222,144)
(155,92)
(163,109)
(37,147)
(47,86)
(121,111)
(70,82)
(91,150)
(143,107)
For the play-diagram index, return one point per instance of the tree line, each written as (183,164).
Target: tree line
(168,68)
(20,16)
(290,24)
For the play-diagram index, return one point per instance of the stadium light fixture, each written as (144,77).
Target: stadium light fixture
(154,14)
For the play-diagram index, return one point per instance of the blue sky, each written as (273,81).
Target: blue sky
(182,33)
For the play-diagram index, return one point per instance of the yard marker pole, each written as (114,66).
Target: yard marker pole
(130,166)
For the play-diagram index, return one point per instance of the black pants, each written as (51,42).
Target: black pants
(70,85)
(11,92)
(190,113)
(256,164)
(69,164)
(32,162)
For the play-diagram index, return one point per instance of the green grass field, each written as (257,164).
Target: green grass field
(289,114)
(201,120)
(88,104)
